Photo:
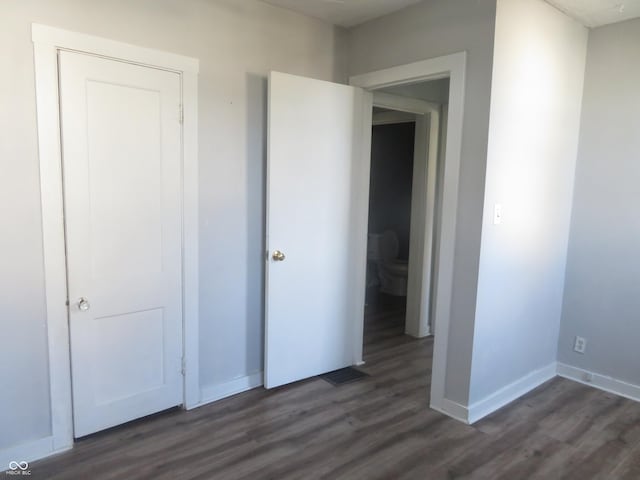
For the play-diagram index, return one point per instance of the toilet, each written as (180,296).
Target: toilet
(392,273)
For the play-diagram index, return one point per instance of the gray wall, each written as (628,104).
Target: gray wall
(391,181)
(538,71)
(602,290)
(433,91)
(431,29)
(237,42)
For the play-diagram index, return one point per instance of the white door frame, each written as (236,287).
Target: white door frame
(454,67)
(47,42)
(423,199)
(392,117)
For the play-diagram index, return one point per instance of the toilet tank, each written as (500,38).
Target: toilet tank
(373,247)
(383,246)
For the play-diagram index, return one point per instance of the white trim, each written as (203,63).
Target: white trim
(417,317)
(47,42)
(524,385)
(453,410)
(430,69)
(404,104)
(190,243)
(454,67)
(28,452)
(392,117)
(509,393)
(423,199)
(55,276)
(213,393)
(82,42)
(421,252)
(361,169)
(602,382)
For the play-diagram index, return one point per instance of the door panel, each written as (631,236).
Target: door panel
(125,234)
(313,129)
(121,140)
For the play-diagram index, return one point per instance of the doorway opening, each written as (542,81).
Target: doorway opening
(407,150)
(317,199)
(392,152)
(452,67)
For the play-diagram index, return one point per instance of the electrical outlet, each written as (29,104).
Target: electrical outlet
(580,345)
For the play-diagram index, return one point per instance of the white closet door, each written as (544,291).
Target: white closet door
(121,141)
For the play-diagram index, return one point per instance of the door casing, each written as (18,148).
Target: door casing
(48,41)
(454,67)
(423,201)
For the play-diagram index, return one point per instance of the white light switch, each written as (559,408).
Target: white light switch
(497,214)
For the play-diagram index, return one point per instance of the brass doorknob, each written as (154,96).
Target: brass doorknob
(278,256)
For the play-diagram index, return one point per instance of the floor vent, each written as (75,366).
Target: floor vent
(342,376)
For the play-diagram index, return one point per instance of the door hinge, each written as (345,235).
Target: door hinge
(181,114)
(184,366)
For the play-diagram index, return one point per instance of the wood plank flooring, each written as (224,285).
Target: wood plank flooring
(375,428)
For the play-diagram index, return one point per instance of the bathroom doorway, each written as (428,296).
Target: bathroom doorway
(408,130)
(392,151)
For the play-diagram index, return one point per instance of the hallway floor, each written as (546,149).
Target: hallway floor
(375,428)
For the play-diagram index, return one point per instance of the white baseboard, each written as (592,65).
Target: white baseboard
(28,452)
(452,409)
(603,382)
(527,383)
(44,447)
(217,392)
(511,392)
(425,334)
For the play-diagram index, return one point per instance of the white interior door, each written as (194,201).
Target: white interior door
(314,131)
(121,142)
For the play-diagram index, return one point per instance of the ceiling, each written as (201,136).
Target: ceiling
(595,13)
(346,13)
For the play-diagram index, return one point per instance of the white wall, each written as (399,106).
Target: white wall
(536,95)
(431,29)
(602,290)
(237,42)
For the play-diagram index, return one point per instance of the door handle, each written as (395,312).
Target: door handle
(278,256)
(83,304)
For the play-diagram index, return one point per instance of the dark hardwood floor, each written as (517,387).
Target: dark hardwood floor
(375,428)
